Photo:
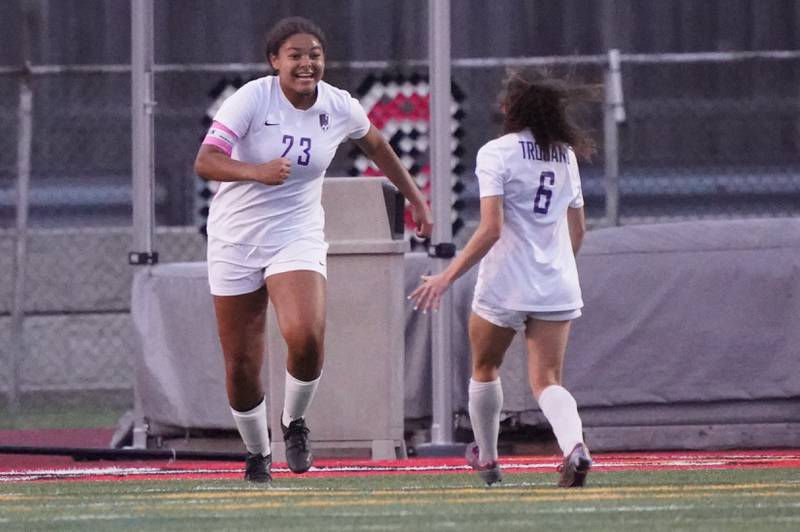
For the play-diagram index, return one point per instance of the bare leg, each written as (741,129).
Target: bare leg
(299,300)
(241,321)
(547,344)
(489,344)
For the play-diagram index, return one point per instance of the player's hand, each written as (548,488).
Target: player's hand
(274,172)
(423,218)
(429,293)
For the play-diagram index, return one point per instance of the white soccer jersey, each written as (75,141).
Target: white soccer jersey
(260,124)
(531,267)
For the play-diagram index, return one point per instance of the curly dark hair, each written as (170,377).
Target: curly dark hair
(534,100)
(287,27)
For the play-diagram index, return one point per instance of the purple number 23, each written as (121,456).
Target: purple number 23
(305,143)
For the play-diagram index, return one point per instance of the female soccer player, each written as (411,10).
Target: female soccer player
(270,145)
(531,226)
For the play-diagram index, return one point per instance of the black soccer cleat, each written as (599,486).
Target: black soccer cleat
(298,452)
(258,468)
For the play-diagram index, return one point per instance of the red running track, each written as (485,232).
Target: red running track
(63,469)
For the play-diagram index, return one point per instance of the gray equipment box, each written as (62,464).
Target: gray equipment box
(359,402)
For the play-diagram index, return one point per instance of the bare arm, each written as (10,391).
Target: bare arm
(428,294)
(376,148)
(577,227)
(214,164)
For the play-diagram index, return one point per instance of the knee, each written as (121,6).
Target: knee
(303,342)
(305,356)
(485,371)
(242,370)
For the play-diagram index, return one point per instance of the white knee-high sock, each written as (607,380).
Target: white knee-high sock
(296,398)
(485,404)
(560,409)
(252,427)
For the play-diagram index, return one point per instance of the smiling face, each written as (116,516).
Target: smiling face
(300,63)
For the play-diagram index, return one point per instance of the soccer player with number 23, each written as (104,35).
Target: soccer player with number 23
(270,145)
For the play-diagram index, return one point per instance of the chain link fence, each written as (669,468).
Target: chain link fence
(710,139)
(702,138)
(65,329)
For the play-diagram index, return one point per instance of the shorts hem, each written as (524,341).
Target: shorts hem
(491,319)
(234,291)
(517,319)
(294,267)
(557,315)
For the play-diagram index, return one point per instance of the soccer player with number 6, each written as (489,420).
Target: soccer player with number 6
(270,145)
(531,226)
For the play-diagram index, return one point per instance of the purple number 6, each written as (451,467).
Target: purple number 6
(544,192)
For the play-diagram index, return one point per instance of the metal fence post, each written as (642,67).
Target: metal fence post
(142,103)
(24,144)
(613,114)
(143,186)
(441,191)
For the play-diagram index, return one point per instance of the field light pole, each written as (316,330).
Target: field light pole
(442,248)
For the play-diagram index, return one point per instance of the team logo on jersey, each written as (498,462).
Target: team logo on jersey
(324,121)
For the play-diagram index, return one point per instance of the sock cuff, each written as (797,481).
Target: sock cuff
(298,382)
(478,386)
(555,391)
(260,409)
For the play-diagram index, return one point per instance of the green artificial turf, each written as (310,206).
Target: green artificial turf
(66,410)
(708,500)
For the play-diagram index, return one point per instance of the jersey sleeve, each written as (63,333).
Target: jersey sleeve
(359,124)
(490,171)
(233,118)
(575,181)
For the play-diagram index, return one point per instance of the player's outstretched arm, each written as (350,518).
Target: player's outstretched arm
(429,293)
(376,148)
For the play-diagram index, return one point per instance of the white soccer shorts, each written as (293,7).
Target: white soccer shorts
(235,269)
(515,319)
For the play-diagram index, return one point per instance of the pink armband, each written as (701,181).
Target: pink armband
(220,136)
